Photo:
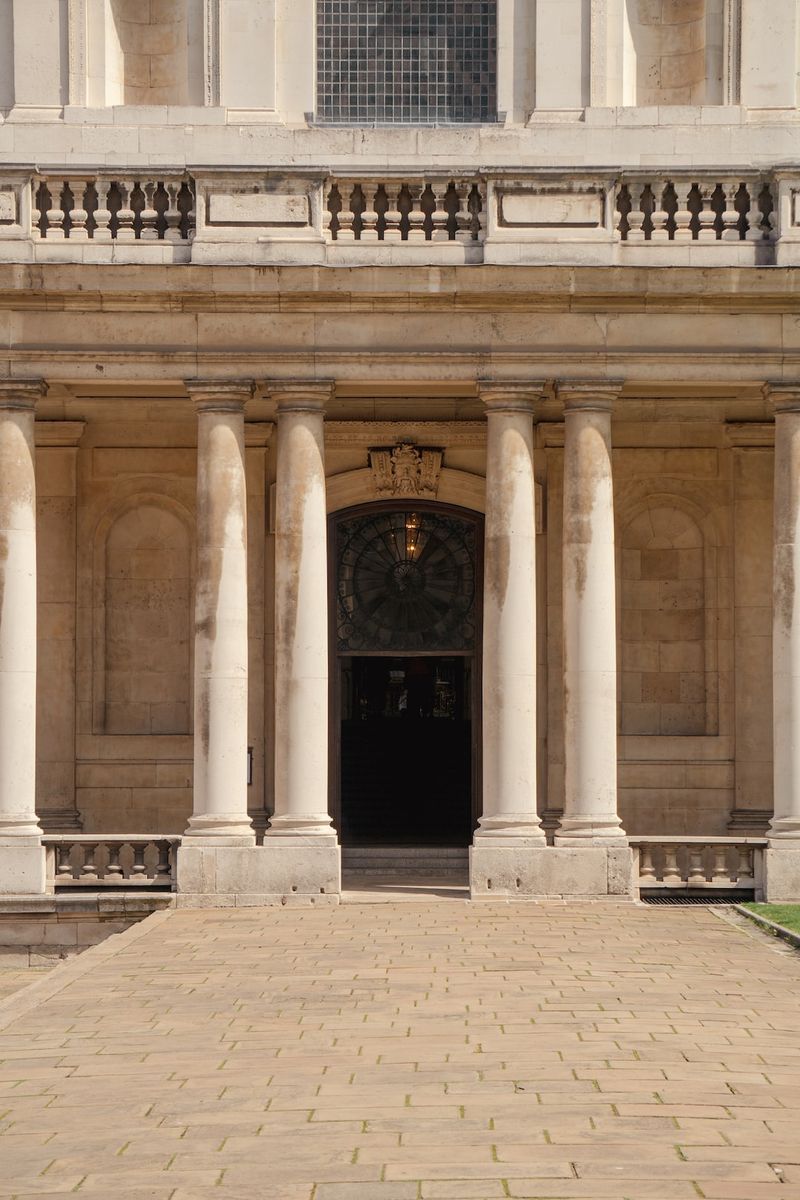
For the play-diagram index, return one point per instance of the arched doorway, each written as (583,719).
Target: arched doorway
(405,649)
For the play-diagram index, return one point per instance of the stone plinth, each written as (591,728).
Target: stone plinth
(499,871)
(782,876)
(286,870)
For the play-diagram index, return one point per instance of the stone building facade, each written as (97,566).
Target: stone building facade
(400,435)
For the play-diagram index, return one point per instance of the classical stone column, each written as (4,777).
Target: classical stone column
(22,869)
(783,859)
(220,651)
(590,628)
(301,615)
(509,831)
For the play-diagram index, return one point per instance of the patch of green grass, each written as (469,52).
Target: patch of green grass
(787,915)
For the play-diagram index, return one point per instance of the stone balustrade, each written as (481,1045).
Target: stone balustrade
(660,210)
(698,864)
(544,216)
(399,210)
(111,860)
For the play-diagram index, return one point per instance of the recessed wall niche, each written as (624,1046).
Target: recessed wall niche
(674,52)
(152,51)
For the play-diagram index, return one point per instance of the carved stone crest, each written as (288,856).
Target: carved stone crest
(406,470)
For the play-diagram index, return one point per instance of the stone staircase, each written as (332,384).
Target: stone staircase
(436,863)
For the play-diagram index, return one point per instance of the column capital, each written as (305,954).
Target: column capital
(589,395)
(219,395)
(784,396)
(20,395)
(301,395)
(514,396)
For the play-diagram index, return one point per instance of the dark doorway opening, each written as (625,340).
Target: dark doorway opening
(406,751)
(405,689)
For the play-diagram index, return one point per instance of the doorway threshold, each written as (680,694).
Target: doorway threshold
(356,889)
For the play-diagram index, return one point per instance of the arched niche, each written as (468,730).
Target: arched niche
(153,51)
(144,625)
(674,52)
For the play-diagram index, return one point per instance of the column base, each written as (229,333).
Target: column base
(219,830)
(590,831)
(511,871)
(283,871)
(782,874)
(22,867)
(522,829)
(319,825)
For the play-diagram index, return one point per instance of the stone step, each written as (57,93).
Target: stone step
(395,861)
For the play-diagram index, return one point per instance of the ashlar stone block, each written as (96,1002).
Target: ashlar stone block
(527,872)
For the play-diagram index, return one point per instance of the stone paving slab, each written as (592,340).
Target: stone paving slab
(409,1051)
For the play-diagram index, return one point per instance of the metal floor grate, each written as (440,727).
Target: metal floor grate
(681,898)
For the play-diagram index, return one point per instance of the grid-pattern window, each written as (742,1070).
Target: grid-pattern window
(409,62)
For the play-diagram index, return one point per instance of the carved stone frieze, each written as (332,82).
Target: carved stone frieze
(406,470)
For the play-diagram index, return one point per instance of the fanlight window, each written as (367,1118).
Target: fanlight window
(406,582)
(419,62)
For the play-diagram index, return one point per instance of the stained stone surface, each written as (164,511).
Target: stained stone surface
(411,1052)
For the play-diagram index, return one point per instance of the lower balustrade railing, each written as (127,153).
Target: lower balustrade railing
(698,864)
(109,860)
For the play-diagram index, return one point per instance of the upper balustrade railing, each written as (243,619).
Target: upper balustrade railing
(700,217)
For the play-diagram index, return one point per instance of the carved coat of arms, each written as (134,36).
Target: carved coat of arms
(406,470)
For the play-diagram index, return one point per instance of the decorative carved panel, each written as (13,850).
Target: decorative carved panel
(406,470)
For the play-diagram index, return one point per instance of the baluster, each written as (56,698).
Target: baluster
(439,232)
(89,867)
(126,215)
(720,874)
(189,216)
(79,216)
(64,870)
(647,868)
(463,216)
(672,874)
(730,217)
(745,867)
(393,215)
(102,214)
(660,217)
(138,868)
(173,214)
(697,868)
(347,215)
(149,214)
(683,214)
(707,216)
(636,216)
(416,217)
(55,216)
(369,217)
(114,868)
(755,217)
(164,864)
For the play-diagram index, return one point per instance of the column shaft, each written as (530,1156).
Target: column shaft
(21,854)
(221,648)
(509,618)
(786,618)
(301,614)
(590,635)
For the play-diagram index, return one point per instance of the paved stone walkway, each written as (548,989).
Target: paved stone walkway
(411,1052)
